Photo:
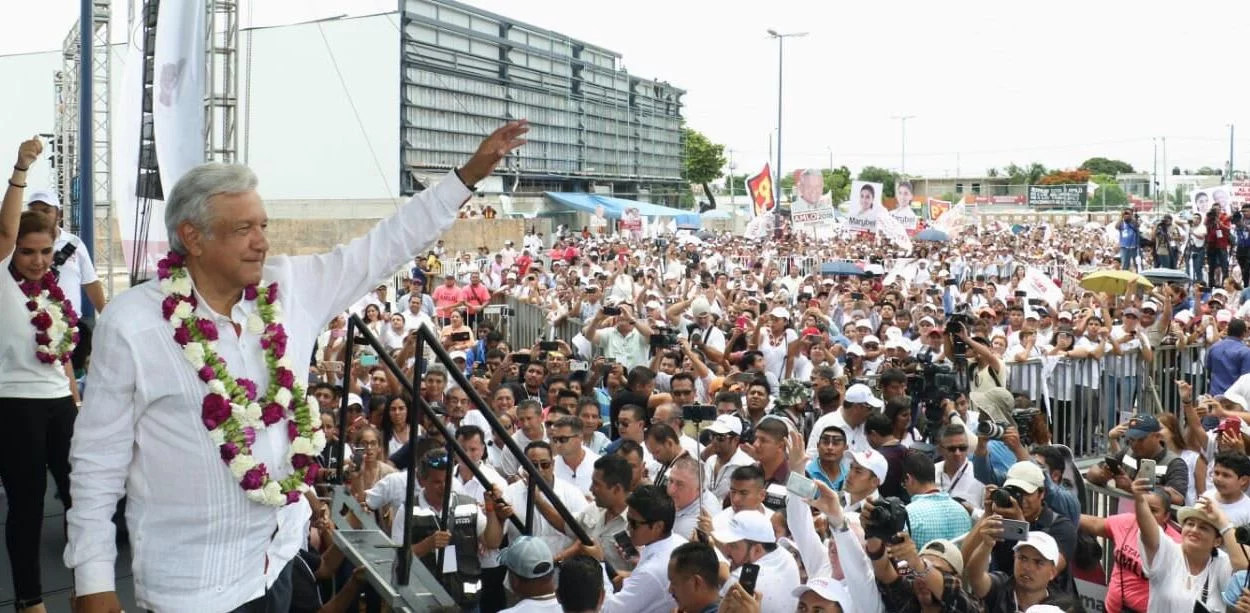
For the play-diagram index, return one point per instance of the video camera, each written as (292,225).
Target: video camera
(61,256)
(1023,419)
(664,337)
(958,323)
(887,519)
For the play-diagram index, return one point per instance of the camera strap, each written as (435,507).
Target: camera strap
(958,475)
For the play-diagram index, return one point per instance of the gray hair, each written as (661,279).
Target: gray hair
(189,200)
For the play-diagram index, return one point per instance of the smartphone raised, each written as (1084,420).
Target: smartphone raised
(627,546)
(747,577)
(1015,530)
(1146,470)
(368,359)
(802,486)
(549,345)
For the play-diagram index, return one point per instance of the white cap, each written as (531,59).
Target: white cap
(511,275)
(457,355)
(45,196)
(726,424)
(354,399)
(863,323)
(871,339)
(1065,315)
(1031,314)
(928,319)
(1044,544)
(1150,304)
(780,312)
(828,588)
(874,461)
(743,526)
(855,350)
(1184,317)
(1224,316)
(1220,291)
(654,305)
(700,306)
(1025,475)
(1044,608)
(861,394)
(896,343)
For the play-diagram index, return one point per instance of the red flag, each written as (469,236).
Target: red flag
(760,187)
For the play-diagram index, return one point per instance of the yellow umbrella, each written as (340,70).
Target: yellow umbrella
(1114,282)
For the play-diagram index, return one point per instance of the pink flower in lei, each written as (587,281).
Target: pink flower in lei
(52,316)
(234,410)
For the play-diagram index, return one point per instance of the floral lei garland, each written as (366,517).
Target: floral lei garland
(232,412)
(52,315)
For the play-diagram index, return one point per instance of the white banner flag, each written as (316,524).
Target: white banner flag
(891,229)
(953,221)
(178,90)
(1037,285)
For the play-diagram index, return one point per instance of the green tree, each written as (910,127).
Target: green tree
(704,160)
(1176,170)
(1207,170)
(1108,197)
(837,183)
(885,177)
(991,172)
(1104,166)
(1025,175)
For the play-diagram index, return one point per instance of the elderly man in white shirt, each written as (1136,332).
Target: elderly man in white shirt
(161,440)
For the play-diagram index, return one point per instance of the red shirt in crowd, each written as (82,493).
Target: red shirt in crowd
(444,298)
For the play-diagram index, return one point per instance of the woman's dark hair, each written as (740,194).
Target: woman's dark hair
(868,188)
(387,427)
(32,222)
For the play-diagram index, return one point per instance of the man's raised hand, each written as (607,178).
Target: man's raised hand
(493,150)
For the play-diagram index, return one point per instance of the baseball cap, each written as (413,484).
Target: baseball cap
(1132,311)
(871,338)
(1184,317)
(1065,315)
(872,460)
(947,551)
(1025,475)
(828,588)
(928,319)
(743,526)
(528,557)
(861,394)
(458,355)
(780,312)
(1224,316)
(45,196)
(1142,426)
(811,331)
(1044,544)
(1150,305)
(700,307)
(354,399)
(1031,314)
(726,424)
(863,323)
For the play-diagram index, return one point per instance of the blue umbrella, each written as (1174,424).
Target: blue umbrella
(841,268)
(1165,275)
(932,235)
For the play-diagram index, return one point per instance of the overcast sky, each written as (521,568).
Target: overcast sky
(988,82)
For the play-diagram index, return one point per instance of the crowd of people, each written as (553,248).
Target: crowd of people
(718,423)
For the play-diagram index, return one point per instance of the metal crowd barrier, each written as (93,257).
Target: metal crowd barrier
(1084,398)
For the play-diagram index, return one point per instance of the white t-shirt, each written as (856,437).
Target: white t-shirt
(536,605)
(775,355)
(22,375)
(1173,589)
(1238,512)
(77,271)
(581,477)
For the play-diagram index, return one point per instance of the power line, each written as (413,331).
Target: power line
(352,103)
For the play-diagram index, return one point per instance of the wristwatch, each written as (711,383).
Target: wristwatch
(471,188)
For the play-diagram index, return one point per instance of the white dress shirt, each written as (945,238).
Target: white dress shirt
(856,438)
(581,477)
(645,590)
(572,498)
(199,544)
(962,485)
(718,480)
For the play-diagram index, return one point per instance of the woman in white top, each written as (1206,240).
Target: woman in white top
(374,319)
(774,341)
(38,396)
(393,335)
(1194,571)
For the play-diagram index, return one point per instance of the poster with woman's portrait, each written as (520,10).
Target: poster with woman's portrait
(865,202)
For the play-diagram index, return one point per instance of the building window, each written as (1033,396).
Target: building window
(976,189)
(959,188)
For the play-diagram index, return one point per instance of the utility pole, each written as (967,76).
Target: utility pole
(830,148)
(1154,174)
(781,39)
(732,166)
(902,166)
(1166,171)
(1230,152)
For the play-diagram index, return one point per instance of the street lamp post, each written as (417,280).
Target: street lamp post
(780,78)
(902,164)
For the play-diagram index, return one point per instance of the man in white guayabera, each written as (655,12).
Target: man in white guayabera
(196,412)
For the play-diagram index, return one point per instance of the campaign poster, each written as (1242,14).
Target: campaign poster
(937,208)
(1228,197)
(865,203)
(811,213)
(631,222)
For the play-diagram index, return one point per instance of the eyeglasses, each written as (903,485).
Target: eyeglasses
(832,440)
(544,464)
(721,437)
(957,448)
(370,444)
(560,440)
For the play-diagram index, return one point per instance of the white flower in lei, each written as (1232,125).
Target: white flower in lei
(234,411)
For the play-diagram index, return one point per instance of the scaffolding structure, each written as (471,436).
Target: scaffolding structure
(465,70)
(221,101)
(67,147)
